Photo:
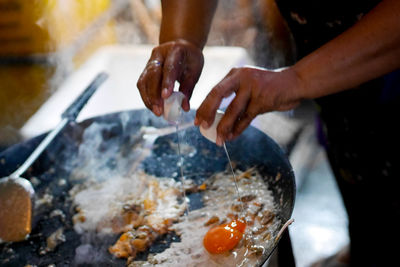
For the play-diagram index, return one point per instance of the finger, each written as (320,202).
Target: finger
(247,117)
(153,86)
(172,69)
(189,78)
(186,87)
(234,111)
(206,113)
(148,83)
(152,80)
(141,85)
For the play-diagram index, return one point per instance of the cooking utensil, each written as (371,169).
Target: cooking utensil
(118,144)
(16,192)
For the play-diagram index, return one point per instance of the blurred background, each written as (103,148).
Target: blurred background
(50,49)
(44,42)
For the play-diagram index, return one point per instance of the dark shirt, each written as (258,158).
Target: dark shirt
(315,22)
(360,130)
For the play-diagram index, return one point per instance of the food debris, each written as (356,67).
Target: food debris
(266,217)
(53,240)
(219,198)
(278,176)
(247,198)
(132,242)
(46,199)
(59,213)
(212,220)
(202,187)
(140,208)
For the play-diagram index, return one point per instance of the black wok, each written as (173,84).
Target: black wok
(120,134)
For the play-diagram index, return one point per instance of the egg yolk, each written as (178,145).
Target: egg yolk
(224,237)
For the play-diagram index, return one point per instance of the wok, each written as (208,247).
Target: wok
(113,149)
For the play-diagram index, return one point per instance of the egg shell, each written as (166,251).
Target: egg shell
(211,132)
(172,107)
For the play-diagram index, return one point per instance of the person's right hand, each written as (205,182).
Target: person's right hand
(172,61)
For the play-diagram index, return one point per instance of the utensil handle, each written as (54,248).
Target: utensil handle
(39,149)
(73,110)
(69,115)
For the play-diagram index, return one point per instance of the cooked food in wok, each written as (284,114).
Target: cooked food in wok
(221,206)
(141,208)
(109,193)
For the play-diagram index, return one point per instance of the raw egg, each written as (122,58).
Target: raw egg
(224,237)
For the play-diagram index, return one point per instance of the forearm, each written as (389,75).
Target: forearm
(366,51)
(187,19)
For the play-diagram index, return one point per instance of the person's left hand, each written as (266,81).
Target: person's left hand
(257,91)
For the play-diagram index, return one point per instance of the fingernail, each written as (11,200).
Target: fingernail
(205,125)
(186,106)
(219,141)
(164,92)
(156,110)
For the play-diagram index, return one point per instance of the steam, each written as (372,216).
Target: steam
(93,249)
(105,173)
(88,254)
(27,80)
(101,159)
(257,27)
(64,59)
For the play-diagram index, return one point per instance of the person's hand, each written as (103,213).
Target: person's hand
(257,91)
(172,61)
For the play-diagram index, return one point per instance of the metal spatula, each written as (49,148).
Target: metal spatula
(16,193)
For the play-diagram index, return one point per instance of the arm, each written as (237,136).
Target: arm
(189,20)
(184,29)
(367,50)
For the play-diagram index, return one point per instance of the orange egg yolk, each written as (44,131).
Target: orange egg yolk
(224,237)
